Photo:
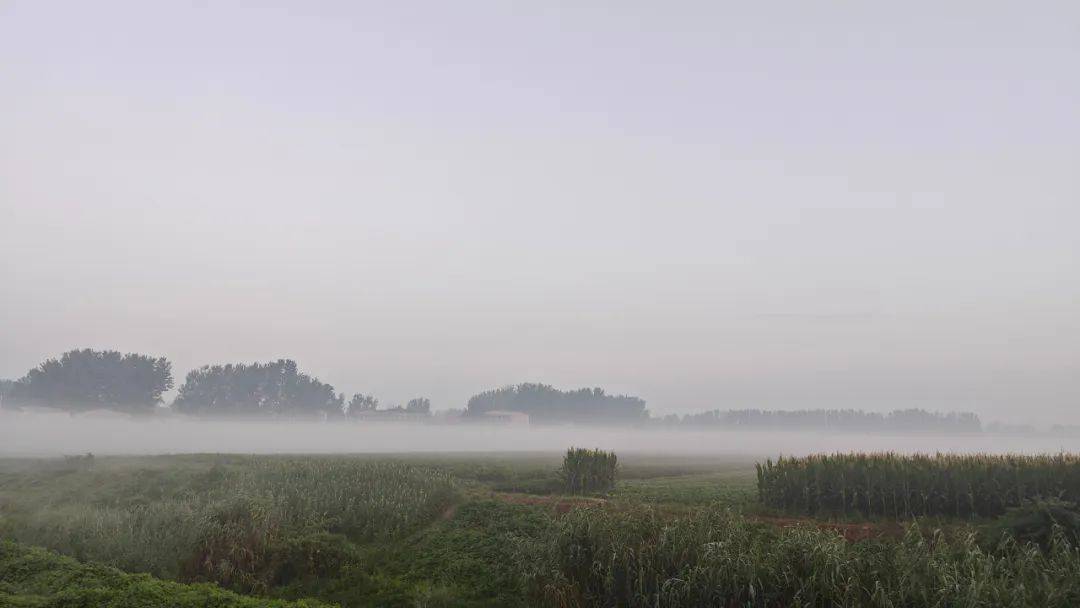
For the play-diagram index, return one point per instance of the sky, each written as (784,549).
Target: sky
(706,204)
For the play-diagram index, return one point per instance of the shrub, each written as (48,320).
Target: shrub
(1036,522)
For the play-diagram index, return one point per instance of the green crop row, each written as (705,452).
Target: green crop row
(895,485)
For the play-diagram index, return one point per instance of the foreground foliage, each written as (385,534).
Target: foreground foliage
(247,523)
(895,485)
(714,557)
(33,577)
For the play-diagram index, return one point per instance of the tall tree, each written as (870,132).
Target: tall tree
(89,379)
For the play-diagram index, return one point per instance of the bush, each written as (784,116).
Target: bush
(1036,522)
(586,471)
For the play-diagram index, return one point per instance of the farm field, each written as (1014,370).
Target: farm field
(495,529)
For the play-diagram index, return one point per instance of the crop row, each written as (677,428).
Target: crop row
(894,485)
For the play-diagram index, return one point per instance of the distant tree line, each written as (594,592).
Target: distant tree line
(546,405)
(86,379)
(907,420)
(82,380)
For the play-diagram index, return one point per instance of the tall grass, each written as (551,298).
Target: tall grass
(599,557)
(894,485)
(252,524)
(363,500)
(585,471)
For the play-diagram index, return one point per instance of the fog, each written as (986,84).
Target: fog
(52,434)
(708,205)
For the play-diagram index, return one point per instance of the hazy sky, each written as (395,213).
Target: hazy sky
(707,204)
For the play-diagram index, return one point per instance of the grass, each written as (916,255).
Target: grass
(693,490)
(247,523)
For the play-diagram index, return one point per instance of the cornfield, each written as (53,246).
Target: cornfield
(586,471)
(894,485)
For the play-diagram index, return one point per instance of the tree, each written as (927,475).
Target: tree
(546,404)
(277,389)
(910,420)
(88,379)
(361,403)
(5,389)
(420,405)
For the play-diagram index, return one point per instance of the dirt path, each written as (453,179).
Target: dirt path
(449,512)
(850,531)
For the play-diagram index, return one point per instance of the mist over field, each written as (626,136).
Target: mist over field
(482,304)
(55,434)
(705,204)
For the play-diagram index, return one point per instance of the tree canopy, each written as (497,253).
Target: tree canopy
(89,379)
(276,388)
(546,404)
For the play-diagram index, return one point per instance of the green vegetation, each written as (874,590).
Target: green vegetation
(714,557)
(1037,522)
(466,531)
(894,485)
(247,523)
(587,471)
(688,490)
(32,577)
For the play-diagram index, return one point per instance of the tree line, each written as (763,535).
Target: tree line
(844,420)
(547,405)
(81,380)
